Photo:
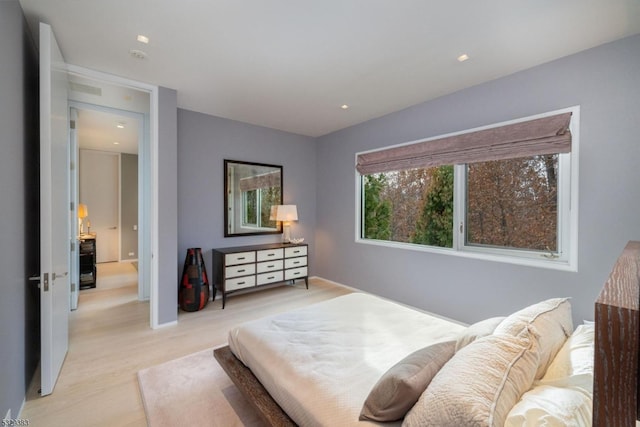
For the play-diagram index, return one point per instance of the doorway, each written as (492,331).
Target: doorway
(98,92)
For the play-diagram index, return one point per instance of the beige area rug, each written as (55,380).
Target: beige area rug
(193,391)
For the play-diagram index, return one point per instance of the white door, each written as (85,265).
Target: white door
(99,190)
(54,210)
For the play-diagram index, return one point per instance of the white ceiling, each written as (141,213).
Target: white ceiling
(291,64)
(98,130)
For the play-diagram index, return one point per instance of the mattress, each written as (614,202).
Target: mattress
(320,362)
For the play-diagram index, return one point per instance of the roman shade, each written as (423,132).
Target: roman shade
(546,135)
(271,179)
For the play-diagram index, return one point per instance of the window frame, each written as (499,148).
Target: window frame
(567,251)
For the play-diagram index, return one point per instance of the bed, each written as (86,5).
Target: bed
(317,366)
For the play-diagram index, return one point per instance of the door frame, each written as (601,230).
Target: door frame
(148,184)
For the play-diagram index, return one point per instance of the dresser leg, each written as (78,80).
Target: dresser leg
(306,282)
(224,299)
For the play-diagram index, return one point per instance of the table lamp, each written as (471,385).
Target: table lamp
(286,214)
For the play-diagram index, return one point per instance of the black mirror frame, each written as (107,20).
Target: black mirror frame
(227,232)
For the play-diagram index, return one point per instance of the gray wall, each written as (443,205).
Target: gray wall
(19,223)
(128,205)
(167,206)
(605,82)
(205,141)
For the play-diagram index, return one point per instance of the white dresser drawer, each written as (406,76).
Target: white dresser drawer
(239,270)
(295,251)
(269,254)
(300,261)
(239,283)
(239,258)
(263,267)
(295,273)
(272,277)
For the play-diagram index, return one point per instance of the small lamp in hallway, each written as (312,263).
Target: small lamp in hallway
(83,212)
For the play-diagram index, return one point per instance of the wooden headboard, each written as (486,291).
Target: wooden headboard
(617,339)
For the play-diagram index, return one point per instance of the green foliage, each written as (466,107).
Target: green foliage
(435,225)
(377,212)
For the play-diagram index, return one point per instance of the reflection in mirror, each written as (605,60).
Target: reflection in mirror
(251,189)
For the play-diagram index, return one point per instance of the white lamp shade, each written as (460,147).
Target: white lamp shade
(287,213)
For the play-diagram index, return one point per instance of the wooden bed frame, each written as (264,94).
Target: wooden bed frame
(616,381)
(616,365)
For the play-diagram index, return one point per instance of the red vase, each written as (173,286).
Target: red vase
(193,294)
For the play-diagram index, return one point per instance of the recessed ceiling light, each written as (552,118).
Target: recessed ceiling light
(143,39)
(116,143)
(120,125)
(344,106)
(463,57)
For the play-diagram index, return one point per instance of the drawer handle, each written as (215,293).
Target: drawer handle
(241,258)
(271,254)
(270,266)
(296,252)
(296,262)
(296,274)
(241,283)
(272,277)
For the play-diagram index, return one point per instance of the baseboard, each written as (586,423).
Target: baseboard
(165,325)
(24,401)
(390,300)
(342,285)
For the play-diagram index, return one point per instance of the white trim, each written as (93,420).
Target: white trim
(153,148)
(567,182)
(155,272)
(360,291)
(166,325)
(24,401)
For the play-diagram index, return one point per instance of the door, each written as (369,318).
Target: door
(54,210)
(99,190)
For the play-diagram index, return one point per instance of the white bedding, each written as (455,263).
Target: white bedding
(320,362)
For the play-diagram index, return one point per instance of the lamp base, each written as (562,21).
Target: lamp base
(286,233)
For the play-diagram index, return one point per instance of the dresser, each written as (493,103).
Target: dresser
(87,262)
(250,267)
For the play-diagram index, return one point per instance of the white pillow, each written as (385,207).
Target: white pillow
(477,330)
(479,385)
(550,406)
(549,320)
(573,365)
(563,397)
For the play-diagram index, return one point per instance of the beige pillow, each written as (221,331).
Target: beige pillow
(401,386)
(477,330)
(479,385)
(549,320)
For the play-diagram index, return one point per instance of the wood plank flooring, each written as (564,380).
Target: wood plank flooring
(110,341)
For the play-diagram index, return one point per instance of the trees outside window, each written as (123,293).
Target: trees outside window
(508,204)
(513,203)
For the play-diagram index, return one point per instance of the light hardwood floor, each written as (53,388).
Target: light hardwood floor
(110,341)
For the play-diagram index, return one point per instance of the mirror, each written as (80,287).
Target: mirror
(251,189)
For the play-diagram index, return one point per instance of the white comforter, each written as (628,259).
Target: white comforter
(320,362)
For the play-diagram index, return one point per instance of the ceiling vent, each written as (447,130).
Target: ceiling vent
(91,90)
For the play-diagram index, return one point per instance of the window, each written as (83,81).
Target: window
(518,206)
(256,206)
